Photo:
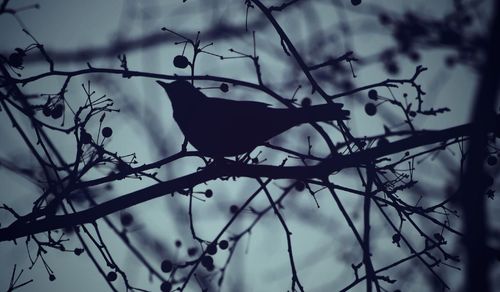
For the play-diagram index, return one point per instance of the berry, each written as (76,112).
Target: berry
(346,84)
(412,114)
(126,219)
(233,209)
(178,243)
(224,87)
(57,112)
(111,276)
(392,68)
(209,193)
(181,62)
(166,266)
(166,286)
(355,2)
(210,268)
(192,251)
(212,249)
(414,56)
(78,251)
(46,111)
(384,19)
(450,61)
(223,244)
(107,132)
(207,261)
(16,59)
(373,94)
(370,109)
(52,277)
(306,101)
(300,186)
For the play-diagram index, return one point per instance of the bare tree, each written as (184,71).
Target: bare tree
(400,197)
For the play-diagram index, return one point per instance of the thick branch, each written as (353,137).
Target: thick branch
(20,228)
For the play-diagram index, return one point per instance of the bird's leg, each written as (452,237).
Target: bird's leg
(223,162)
(184,145)
(244,159)
(208,162)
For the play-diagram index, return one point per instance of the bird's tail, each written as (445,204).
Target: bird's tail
(324,112)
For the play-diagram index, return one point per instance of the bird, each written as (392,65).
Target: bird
(220,128)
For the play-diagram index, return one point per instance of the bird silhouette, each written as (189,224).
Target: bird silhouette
(219,127)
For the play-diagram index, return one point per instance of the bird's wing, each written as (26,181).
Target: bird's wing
(243,104)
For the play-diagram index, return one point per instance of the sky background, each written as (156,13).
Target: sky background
(322,242)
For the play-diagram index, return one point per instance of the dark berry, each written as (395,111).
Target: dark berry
(181,62)
(355,2)
(414,56)
(207,261)
(126,219)
(16,60)
(52,277)
(412,114)
(224,87)
(47,111)
(57,112)
(373,94)
(178,243)
(166,266)
(192,251)
(166,286)
(212,249)
(346,84)
(233,209)
(111,276)
(209,193)
(492,160)
(78,251)
(223,244)
(384,19)
(210,268)
(450,61)
(300,186)
(107,132)
(306,101)
(370,109)
(392,68)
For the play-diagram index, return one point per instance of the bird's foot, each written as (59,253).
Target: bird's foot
(245,158)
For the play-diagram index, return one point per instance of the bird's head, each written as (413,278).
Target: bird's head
(180,90)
